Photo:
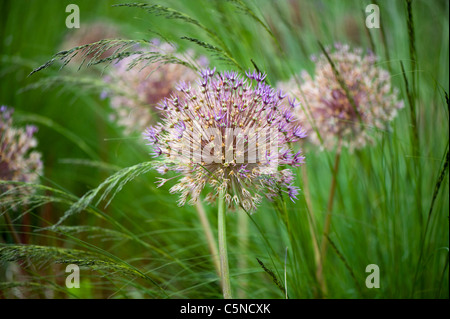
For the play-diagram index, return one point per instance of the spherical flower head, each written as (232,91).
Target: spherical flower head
(230,132)
(18,162)
(139,89)
(353,118)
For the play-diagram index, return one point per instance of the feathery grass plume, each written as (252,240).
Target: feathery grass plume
(231,132)
(141,85)
(18,161)
(90,33)
(351,114)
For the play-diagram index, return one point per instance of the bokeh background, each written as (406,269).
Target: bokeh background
(390,208)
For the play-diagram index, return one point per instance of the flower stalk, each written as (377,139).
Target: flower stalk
(223,252)
(212,245)
(327,225)
(9,225)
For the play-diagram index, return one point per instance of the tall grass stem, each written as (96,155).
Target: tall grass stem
(243,249)
(11,229)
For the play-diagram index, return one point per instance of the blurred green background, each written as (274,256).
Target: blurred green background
(154,248)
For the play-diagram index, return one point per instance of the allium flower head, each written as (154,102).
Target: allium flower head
(230,132)
(140,88)
(353,121)
(17,160)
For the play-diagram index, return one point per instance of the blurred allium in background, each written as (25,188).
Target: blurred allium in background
(136,91)
(332,115)
(249,126)
(18,162)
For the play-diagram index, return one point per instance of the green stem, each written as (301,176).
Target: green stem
(243,245)
(224,270)
(311,221)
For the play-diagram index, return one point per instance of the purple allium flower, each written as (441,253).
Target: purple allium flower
(230,132)
(139,89)
(90,33)
(331,112)
(17,160)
